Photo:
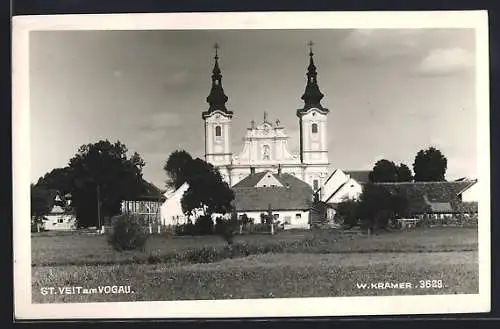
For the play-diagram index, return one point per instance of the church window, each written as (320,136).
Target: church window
(315,184)
(314,128)
(218,131)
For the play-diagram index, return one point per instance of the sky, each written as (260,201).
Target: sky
(390,92)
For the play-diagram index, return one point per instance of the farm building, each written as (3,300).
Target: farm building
(438,200)
(289,198)
(60,218)
(434,199)
(147,202)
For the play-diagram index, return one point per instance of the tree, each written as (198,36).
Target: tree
(58,179)
(102,176)
(40,201)
(384,171)
(177,167)
(348,212)
(207,190)
(375,206)
(404,173)
(430,165)
(378,206)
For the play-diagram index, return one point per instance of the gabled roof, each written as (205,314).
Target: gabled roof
(251,180)
(360,176)
(148,192)
(439,197)
(295,194)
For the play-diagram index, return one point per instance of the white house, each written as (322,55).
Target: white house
(60,217)
(171,210)
(289,198)
(341,185)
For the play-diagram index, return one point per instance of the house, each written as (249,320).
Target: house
(341,185)
(60,217)
(289,198)
(147,202)
(470,192)
(171,209)
(434,199)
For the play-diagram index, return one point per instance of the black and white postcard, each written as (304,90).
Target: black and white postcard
(221,165)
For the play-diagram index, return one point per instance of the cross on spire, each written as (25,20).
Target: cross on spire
(310,44)
(217,98)
(216,47)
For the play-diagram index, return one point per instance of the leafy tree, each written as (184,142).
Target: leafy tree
(207,190)
(375,206)
(177,167)
(59,179)
(40,201)
(430,165)
(384,171)
(404,173)
(348,212)
(103,176)
(378,206)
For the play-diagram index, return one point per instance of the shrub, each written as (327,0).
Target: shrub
(127,233)
(348,212)
(204,225)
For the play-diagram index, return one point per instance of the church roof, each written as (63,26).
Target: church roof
(295,194)
(312,95)
(217,98)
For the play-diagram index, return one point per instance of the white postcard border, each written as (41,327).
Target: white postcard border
(295,307)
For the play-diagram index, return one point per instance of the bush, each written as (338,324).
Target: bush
(127,233)
(204,225)
(348,213)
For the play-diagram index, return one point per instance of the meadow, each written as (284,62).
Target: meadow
(289,264)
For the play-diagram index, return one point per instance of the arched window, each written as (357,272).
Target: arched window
(218,131)
(314,128)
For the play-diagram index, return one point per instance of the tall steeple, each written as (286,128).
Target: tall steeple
(217,98)
(312,95)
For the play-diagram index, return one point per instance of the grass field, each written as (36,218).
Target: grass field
(331,265)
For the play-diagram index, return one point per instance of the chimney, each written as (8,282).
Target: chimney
(252,170)
(279,169)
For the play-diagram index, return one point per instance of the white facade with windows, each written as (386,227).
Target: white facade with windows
(265,146)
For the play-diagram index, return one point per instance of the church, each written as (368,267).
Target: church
(265,145)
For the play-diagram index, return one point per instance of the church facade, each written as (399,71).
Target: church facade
(265,145)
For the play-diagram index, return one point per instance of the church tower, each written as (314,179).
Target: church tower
(313,129)
(218,124)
